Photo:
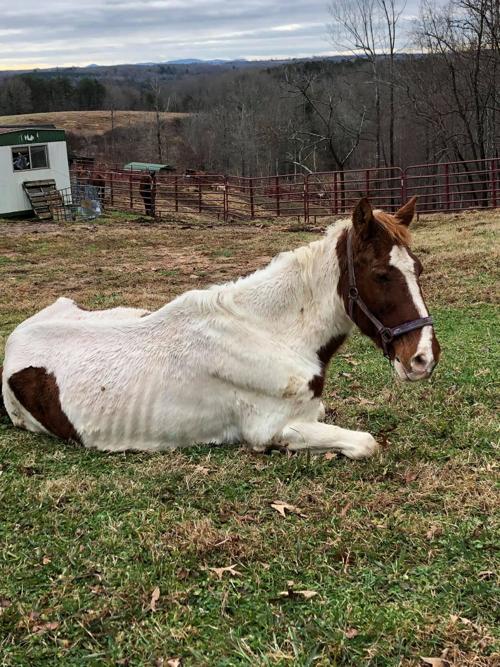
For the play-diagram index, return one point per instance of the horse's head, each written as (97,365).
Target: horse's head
(387,292)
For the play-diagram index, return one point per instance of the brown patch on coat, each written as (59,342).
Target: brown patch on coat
(3,411)
(38,393)
(325,353)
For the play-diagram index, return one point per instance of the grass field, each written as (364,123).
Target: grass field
(88,122)
(181,558)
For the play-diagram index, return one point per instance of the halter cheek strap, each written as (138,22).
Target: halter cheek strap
(387,334)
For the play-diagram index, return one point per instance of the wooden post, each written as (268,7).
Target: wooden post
(176,193)
(306,199)
(111,189)
(447,185)
(199,194)
(277,185)
(226,199)
(252,210)
(131,199)
(494,183)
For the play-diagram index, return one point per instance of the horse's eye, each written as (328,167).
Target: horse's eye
(382,276)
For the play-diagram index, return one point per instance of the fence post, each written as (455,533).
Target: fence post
(494,183)
(130,192)
(252,211)
(403,185)
(226,199)
(199,194)
(335,206)
(367,182)
(277,182)
(176,193)
(306,199)
(447,185)
(111,188)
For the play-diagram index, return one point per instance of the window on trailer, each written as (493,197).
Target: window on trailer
(30,157)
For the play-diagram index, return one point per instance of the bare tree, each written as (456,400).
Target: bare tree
(455,88)
(369,28)
(331,128)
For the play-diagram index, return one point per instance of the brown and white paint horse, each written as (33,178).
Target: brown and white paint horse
(239,362)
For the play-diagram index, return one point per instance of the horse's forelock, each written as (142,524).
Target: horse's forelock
(396,230)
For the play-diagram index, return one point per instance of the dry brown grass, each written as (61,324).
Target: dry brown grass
(89,122)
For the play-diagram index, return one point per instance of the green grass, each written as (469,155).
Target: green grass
(401,549)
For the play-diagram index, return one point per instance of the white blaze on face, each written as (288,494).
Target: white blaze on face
(400,258)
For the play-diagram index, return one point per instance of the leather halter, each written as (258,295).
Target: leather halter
(387,334)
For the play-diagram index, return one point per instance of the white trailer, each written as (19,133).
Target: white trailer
(30,154)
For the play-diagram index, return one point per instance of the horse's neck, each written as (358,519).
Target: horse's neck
(296,296)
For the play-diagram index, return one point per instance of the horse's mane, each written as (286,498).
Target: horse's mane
(396,230)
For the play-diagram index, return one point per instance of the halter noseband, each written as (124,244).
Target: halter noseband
(387,334)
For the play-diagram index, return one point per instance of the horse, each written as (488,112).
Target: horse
(242,362)
(147,190)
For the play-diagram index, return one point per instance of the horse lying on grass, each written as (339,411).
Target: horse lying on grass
(239,362)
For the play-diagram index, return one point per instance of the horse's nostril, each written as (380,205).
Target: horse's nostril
(419,360)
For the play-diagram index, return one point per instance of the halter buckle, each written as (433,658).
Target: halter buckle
(386,335)
(353,293)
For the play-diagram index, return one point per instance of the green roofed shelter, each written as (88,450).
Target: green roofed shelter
(30,153)
(148,166)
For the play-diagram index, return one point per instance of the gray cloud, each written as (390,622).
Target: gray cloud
(63,33)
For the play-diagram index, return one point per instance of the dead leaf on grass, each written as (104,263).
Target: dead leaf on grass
(365,401)
(290,593)
(330,455)
(345,509)
(174,662)
(202,470)
(230,569)
(155,596)
(350,633)
(434,531)
(46,560)
(435,662)
(44,627)
(282,508)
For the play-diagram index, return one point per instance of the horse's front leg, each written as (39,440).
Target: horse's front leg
(321,438)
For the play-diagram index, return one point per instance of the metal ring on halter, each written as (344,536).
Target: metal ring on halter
(386,335)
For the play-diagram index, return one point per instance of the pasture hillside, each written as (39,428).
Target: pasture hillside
(90,122)
(131,135)
(183,558)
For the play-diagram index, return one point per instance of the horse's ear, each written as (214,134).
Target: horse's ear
(406,212)
(362,218)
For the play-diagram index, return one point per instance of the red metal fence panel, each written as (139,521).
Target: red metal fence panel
(450,186)
(453,186)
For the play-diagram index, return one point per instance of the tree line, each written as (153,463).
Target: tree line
(35,93)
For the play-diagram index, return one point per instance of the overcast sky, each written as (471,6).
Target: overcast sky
(48,33)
